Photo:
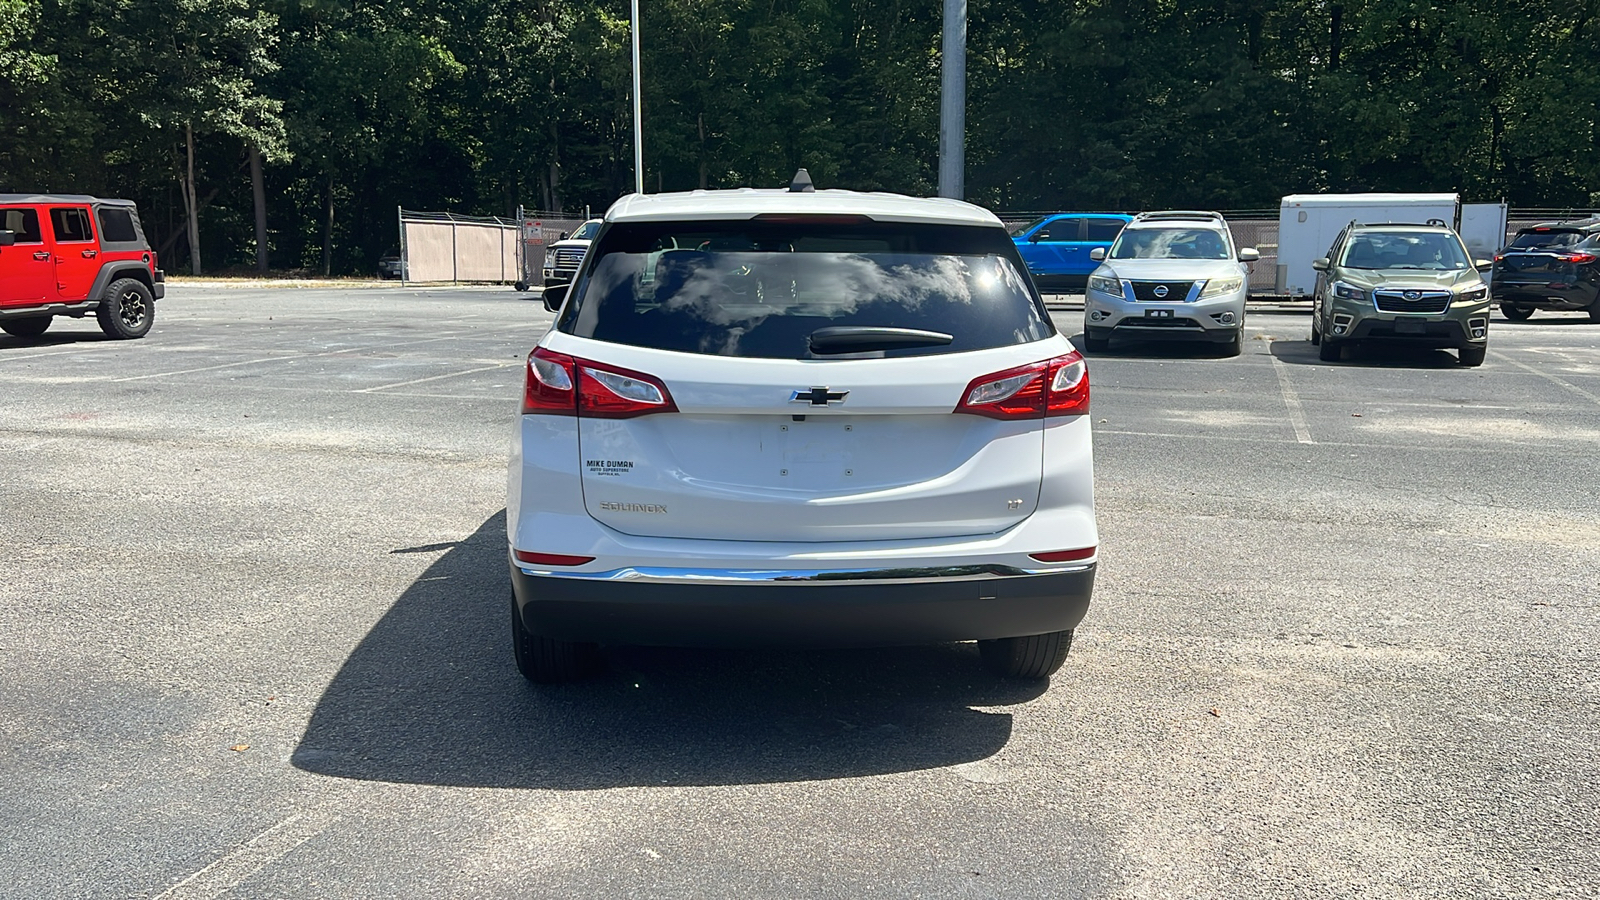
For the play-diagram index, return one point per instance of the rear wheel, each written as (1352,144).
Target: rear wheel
(543,660)
(1516,313)
(1330,351)
(1472,356)
(27,327)
(127,311)
(1031,656)
(1594,312)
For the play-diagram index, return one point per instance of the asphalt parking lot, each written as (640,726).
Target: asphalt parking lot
(253,640)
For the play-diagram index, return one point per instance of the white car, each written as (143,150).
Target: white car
(800,417)
(1169,276)
(563,258)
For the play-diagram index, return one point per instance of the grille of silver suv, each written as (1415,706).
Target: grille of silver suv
(1175,291)
(1399,301)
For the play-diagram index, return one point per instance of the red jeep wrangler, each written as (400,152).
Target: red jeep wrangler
(69,255)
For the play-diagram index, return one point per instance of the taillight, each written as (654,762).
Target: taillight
(561,385)
(1055,387)
(1579,258)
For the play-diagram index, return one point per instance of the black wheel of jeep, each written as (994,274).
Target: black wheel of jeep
(127,311)
(1330,350)
(543,660)
(1472,356)
(1094,344)
(1031,656)
(26,327)
(1515,313)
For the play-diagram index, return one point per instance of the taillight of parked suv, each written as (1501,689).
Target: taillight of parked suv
(561,385)
(1055,387)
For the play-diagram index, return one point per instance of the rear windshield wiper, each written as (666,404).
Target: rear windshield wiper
(862,338)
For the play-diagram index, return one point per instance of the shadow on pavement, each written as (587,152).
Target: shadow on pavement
(1372,354)
(431,696)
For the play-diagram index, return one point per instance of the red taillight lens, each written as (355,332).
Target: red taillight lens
(561,385)
(1065,555)
(551,559)
(1055,387)
(1579,258)
(548,384)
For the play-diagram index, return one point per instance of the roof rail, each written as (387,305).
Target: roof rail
(1431,223)
(1178,214)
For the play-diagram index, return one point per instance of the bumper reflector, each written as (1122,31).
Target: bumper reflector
(1065,555)
(551,559)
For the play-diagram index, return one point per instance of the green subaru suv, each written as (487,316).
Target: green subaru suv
(1402,283)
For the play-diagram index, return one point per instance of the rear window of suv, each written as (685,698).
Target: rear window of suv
(1545,240)
(758,289)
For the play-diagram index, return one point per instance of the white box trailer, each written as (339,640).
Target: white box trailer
(1308,224)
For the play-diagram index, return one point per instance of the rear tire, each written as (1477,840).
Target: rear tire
(543,660)
(1330,351)
(1594,312)
(27,327)
(1517,313)
(127,311)
(1032,656)
(1472,356)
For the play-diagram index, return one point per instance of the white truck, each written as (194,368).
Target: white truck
(1308,223)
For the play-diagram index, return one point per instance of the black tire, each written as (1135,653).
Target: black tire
(542,660)
(1472,356)
(520,286)
(1031,656)
(1515,313)
(26,327)
(1094,344)
(1594,312)
(127,311)
(1330,351)
(1316,336)
(1233,347)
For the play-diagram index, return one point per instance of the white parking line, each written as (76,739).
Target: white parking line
(1595,398)
(267,847)
(432,378)
(247,362)
(1297,413)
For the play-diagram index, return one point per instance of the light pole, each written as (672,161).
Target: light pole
(953,102)
(638,125)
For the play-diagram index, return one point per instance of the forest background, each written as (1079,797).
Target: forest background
(325,115)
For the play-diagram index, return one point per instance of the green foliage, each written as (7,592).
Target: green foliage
(360,106)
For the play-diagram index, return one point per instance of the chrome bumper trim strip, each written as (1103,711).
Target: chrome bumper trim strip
(657,575)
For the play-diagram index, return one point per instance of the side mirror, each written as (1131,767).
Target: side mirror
(1321,265)
(1097,254)
(7,238)
(1483,265)
(1249,254)
(563,236)
(1038,236)
(555,295)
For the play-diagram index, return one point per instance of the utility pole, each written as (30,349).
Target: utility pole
(953,102)
(638,123)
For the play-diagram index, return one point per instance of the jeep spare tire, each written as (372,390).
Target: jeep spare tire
(127,311)
(25,327)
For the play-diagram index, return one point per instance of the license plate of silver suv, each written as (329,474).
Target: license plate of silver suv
(800,418)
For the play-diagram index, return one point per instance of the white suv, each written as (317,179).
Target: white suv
(1169,276)
(800,417)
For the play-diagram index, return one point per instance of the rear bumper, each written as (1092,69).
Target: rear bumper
(842,608)
(1548,296)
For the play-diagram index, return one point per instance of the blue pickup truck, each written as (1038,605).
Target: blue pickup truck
(1056,247)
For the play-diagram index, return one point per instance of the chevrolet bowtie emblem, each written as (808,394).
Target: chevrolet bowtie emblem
(818,396)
